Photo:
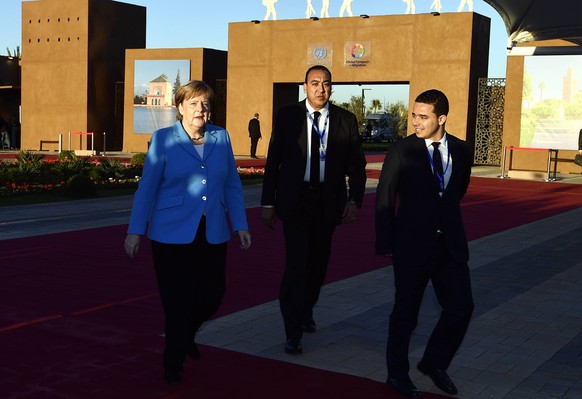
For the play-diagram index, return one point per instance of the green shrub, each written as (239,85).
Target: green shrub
(29,167)
(138,159)
(67,155)
(28,157)
(7,171)
(107,169)
(131,172)
(66,168)
(80,186)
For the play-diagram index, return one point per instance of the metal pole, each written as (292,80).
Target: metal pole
(503,163)
(549,161)
(550,153)
(363,103)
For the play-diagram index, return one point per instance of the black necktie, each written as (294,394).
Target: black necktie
(437,160)
(314,178)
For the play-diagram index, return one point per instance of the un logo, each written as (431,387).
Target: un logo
(320,53)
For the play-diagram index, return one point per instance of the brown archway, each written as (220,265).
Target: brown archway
(267,58)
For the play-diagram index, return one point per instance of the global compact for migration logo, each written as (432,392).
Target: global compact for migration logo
(357,54)
(357,51)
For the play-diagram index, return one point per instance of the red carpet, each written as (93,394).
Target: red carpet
(260,163)
(77,316)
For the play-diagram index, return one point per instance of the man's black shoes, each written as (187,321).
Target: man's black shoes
(172,376)
(293,346)
(404,386)
(439,377)
(309,326)
(193,352)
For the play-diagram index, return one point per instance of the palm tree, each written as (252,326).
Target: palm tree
(399,118)
(376,105)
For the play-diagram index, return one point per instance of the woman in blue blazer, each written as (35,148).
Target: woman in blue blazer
(189,185)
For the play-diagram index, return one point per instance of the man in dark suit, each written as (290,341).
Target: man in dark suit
(314,146)
(254,134)
(418,222)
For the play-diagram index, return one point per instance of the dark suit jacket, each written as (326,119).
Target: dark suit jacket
(408,208)
(254,129)
(287,158)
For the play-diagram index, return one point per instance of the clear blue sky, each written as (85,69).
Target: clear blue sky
(197,23)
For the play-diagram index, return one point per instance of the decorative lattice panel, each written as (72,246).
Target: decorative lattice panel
(489,129)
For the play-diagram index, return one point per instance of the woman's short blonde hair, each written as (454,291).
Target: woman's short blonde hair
(193,88)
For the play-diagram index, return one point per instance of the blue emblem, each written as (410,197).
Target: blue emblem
(320,53)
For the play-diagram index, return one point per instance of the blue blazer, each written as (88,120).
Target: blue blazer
(178,187)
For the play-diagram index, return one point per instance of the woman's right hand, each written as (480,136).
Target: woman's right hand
(131,245)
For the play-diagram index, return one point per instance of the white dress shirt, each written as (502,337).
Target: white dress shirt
(445,156)
(323,124)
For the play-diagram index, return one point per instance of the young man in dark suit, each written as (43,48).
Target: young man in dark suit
(315,145)
(418,223)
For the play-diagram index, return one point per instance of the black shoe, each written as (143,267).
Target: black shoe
(193,352)
(404,386)
(309,326)
(173,366)
(172,377)
(439,377)
(293,346)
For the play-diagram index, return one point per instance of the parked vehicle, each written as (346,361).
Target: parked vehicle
(377,127)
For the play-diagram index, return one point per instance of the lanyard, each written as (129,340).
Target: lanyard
(320,133)
(440,178)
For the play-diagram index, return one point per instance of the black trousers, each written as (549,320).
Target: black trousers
(191,280)
(452,285)
(254,142)
(307,249)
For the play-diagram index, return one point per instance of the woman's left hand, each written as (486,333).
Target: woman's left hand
(131,245)
(245,239)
